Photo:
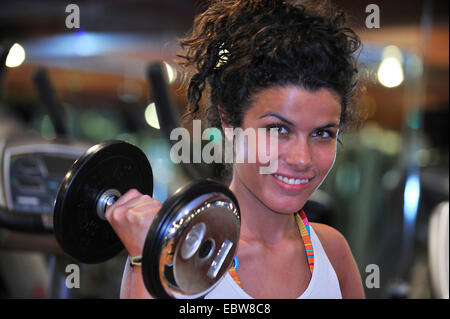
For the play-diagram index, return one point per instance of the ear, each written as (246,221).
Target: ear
(227,128)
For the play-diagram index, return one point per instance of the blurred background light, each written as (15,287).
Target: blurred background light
(171,72)
(16,56)
(411,198)
(392,51)
(151,117)
(85,44)
(387,141)
(390,71)
(413,120)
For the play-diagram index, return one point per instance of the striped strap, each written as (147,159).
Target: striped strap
(305,233)
(233,273)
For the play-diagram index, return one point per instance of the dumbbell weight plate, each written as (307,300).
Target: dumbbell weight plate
(192,241)
(112,165)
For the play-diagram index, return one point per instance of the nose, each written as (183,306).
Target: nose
(298,154)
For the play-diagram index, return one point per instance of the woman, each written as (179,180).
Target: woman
(286,66)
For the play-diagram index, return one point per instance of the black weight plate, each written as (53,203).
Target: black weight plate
(108,165)
(162,223)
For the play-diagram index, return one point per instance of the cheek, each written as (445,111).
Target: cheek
(267,148)
(324,158)
(260,148)
(248,175)
(245,149)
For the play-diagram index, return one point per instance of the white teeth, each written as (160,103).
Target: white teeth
(291,181)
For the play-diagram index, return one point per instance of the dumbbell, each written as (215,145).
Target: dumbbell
(191,242)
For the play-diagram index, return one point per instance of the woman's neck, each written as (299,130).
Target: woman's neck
(259,222)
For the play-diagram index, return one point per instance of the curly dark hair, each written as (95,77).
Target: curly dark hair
(239,47)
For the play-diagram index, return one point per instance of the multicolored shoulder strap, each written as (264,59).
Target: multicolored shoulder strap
(233,272)
(305,233)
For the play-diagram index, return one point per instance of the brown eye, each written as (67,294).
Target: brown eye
(322,134)
(281,129)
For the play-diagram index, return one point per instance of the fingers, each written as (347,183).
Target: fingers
(145,206)
(136,201)
(133,202)
(121,204)
(132,193)
(131,217)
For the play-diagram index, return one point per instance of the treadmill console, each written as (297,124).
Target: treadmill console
(31,174)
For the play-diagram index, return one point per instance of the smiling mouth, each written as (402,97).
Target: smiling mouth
(291,181)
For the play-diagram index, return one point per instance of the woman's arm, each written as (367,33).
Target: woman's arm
(347,270)
(131,217)
(341,257)
(132,283)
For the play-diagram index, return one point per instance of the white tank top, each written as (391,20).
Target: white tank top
(324,283)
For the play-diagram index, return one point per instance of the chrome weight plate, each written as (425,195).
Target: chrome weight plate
(192,241)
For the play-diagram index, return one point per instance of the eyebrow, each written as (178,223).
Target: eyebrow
(329,125)
(281,118)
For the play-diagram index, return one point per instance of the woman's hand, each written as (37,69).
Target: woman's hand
(131,217)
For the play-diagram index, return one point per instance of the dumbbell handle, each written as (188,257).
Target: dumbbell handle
(106,199)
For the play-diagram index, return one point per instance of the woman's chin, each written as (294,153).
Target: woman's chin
(286,206)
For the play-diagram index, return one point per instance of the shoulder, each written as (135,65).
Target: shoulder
(333,242)
(339,253)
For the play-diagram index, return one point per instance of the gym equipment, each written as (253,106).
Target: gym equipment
(191,242)
(48,98)
(169,117)
(98,177)
(31,169)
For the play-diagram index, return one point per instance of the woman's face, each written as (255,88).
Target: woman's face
(307,124)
